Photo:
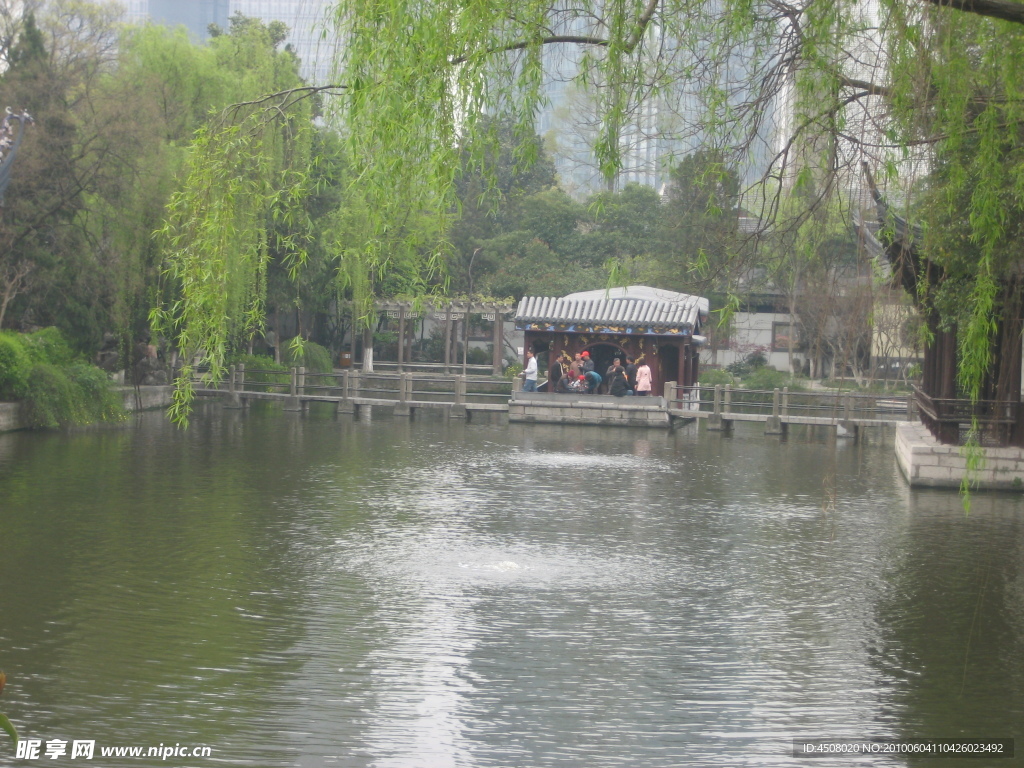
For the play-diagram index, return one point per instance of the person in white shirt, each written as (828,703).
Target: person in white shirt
(530,379)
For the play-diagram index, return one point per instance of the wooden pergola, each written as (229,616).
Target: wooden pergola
(449,312)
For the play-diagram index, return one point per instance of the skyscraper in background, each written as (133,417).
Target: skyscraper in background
(308,34)
(304,18)
(649,143)
(195,15)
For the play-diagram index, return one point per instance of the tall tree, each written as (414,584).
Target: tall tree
(240,203)
(808,87)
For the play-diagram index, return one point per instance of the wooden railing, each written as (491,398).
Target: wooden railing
(786,404)
(950,419)
(297,383)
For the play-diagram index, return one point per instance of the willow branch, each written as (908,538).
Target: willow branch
(550,40)
(868,88)
(641,26)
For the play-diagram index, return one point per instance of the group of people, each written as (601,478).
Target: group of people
(579,376)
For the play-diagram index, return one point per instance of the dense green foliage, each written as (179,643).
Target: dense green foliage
(260,369)
(55,388)
(430,177)
(311,355)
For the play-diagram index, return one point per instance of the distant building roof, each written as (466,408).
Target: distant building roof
(636,309)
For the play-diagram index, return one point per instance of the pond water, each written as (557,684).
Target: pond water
(319,591)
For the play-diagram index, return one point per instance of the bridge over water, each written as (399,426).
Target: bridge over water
(460,395)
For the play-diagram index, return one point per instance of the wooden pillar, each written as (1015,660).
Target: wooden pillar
(401,336)
(465,336)
(410,316)
(682,366)
(448,339)
(497,338)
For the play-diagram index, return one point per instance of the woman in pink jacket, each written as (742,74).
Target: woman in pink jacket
(643,380)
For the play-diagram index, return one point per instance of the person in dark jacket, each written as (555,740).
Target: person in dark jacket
(618,384)
(631,373)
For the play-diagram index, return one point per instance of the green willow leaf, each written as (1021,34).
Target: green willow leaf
(8,726)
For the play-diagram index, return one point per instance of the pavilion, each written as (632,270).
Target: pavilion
(662,326)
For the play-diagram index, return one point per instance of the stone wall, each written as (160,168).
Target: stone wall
(10,417)
(926,462)
(149,399)
(545,408)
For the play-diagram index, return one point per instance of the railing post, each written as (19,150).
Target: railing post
(346,405)
(728,398)
(293,403)
(671,393)
(404,387)
(715,421)
(774,426)
(232,400)
(845,427)
(458,409)
(785,401)
(241,384)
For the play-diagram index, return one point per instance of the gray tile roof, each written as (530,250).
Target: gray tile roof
(636,309)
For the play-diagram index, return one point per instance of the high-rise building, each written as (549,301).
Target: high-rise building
(195,15)
(307,36)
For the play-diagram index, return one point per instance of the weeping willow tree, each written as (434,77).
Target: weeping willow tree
(795,93)
(239,203)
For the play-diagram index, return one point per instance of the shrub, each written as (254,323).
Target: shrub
(74,394)
(478,356)
(709,377)
(56,390)
(101,401)
(766,377)
(261,369)
(750,363)
(15,365)
(48,346)
(315,358)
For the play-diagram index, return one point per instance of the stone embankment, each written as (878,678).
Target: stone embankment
(149,398)
(927,463)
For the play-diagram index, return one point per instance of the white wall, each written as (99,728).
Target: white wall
(752,332)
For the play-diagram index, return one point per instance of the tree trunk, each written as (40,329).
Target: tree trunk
(368,350)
